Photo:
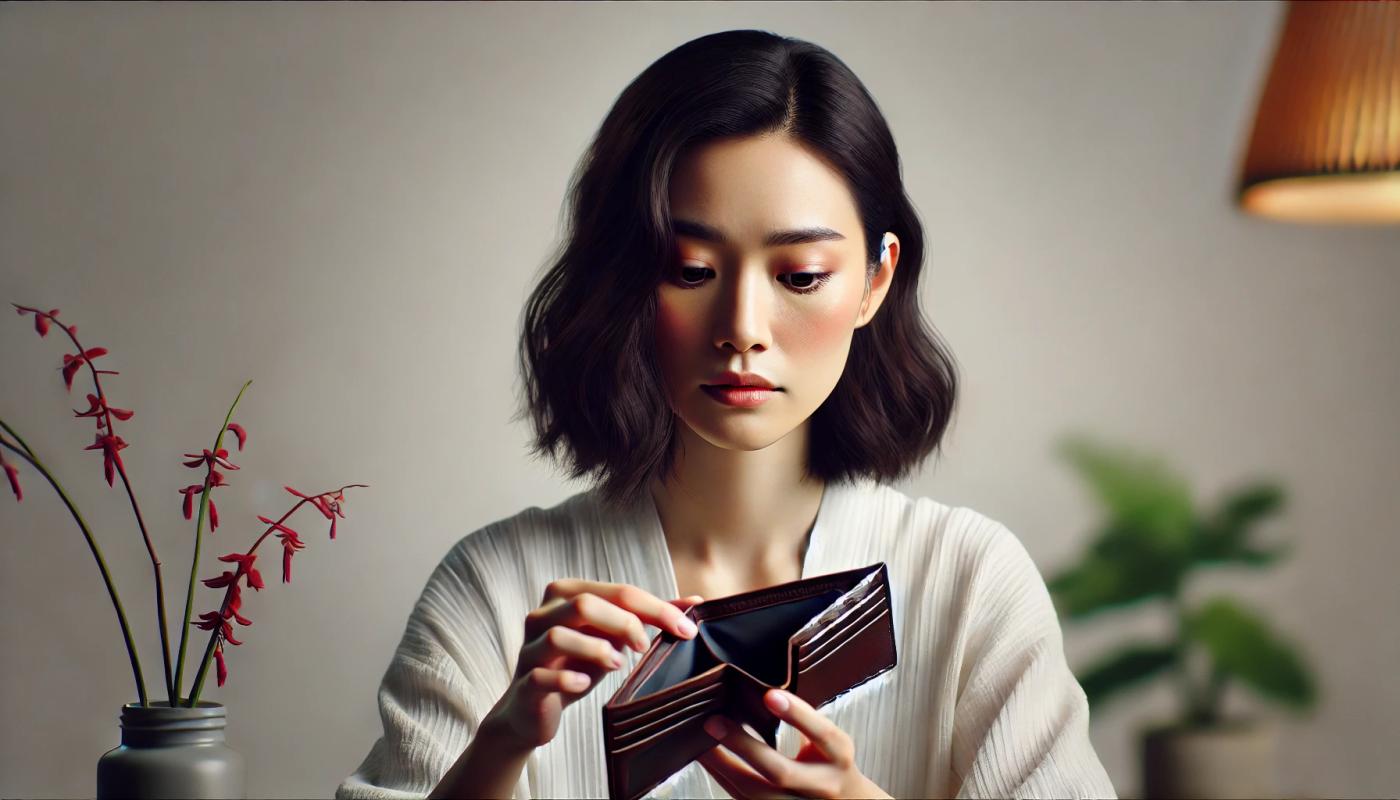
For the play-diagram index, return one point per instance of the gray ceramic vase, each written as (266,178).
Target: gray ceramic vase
(171,752)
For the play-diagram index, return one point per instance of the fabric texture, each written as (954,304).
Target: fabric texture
(982,702)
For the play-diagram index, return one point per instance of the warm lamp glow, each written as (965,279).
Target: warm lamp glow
(1326,139)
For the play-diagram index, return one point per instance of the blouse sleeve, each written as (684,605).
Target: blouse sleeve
(445,675)
(1021,721)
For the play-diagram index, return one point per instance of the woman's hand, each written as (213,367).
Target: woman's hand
(572,638)
(824,765)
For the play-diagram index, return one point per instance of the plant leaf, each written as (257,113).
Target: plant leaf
(1106,579)
(1242,645)
(1123,669)
(1225,536)
(1140,492)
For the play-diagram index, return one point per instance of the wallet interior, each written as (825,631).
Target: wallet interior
(755,641)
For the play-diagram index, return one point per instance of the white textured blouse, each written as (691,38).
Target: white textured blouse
(982,702)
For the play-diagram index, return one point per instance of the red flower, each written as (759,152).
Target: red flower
(189,492)
(41,322)
(328,504)
(98,406)
(291,542)
(221,670)
(235,602)
(12,472)
(245,567)
(110,444)
(220,458)
(72,363)
(210,620)
(240,433)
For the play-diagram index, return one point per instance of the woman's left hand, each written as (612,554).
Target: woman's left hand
(823,767)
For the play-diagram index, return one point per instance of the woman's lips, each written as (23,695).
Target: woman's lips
(740,396)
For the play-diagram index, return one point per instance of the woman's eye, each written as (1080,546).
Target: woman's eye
(801,282)
(695,273)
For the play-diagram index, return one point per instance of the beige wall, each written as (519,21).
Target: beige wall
(347,203)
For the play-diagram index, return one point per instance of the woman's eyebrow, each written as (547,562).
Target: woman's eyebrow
(708,233)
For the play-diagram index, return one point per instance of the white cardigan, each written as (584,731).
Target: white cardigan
(981,704)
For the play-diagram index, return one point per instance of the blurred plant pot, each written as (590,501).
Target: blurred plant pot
(171,752)
(1230,760)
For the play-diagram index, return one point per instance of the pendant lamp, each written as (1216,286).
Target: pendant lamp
(1326,140)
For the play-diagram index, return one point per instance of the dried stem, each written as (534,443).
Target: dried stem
(136,509)
(25,453)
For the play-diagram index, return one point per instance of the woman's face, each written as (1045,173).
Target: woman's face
(736,300)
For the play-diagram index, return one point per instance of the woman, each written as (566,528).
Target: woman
(739,218)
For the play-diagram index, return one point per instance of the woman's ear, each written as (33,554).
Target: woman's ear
(878,285)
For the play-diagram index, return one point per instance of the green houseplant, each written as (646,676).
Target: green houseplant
(1150,541)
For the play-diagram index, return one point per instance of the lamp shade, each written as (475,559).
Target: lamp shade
(1326,140)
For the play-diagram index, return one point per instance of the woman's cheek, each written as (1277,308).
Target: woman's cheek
(817,331)
(676,335)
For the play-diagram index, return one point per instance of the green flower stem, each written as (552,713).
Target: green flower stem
(194,562)
(28,455)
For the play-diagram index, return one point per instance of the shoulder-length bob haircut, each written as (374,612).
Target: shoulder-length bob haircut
(587,352)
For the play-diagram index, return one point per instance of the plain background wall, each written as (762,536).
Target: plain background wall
(348,203)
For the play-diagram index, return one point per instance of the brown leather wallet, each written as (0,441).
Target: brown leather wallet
(817,637)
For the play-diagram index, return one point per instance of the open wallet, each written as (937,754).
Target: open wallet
(817,638)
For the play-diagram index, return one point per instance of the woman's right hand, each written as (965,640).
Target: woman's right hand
(572,638)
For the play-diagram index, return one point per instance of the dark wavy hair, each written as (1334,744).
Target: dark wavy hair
(593,384)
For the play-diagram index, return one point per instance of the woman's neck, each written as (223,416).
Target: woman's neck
(738,516)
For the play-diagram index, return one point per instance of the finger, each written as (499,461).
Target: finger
(736,777)
(558,643)
(830,740)
(651,609)
(775,768)
(591,614)
(540,682)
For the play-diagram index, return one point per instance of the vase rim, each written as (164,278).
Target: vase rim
(164,705)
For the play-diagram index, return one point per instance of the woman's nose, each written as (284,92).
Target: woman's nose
(742,314)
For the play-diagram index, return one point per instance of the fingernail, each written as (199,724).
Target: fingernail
(687,627)
(640,642)
(615,658)
(777,700)
(716,727)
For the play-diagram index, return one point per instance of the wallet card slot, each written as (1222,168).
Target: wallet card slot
(699,708)
(839,638)
(835,633)
(650,740)
(651,709)
(811,664)
(872,583)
